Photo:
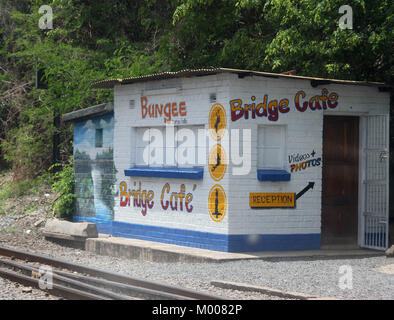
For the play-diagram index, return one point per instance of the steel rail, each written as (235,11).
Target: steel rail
(93,285)
(64,281)
(122,288)
(57,290)
(107,275)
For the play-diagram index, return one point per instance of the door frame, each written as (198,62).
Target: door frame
(361,164)
(361,177)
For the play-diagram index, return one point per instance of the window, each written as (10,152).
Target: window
(167,146)
(99,138)
(149,151)
(271,147)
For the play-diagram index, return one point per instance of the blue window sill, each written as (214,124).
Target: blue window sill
(177,173)
(273,175)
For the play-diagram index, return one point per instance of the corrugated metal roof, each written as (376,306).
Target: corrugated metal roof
(210,71)
(87,112)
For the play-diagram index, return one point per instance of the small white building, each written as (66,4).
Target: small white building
(238,160)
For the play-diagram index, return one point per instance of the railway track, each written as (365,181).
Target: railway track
(78,282)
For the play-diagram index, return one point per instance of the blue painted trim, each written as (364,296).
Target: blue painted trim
(273,175)
(207,240)
(177,173)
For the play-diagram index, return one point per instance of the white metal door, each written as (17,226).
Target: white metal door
(376,182)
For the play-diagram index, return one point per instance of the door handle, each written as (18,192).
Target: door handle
(383,156)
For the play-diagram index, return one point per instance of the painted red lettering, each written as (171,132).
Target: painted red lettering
(236,109)
(182,109)
(144,110)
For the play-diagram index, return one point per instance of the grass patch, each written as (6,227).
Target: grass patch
(12,189)
(14,195)
(4,207)
(12,229)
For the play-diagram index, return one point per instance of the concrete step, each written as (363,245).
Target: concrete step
(162,252)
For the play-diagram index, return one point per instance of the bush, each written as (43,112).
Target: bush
(64,205)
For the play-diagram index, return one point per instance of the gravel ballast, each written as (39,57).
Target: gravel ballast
(308,276)
(21,218)
(13,291)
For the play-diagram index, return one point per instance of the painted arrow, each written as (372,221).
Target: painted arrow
(301,193)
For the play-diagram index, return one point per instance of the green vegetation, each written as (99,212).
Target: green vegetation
(15,189)
(11,191)
(94,40)
(64,185)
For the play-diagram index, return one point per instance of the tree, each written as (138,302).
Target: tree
(280,35)
(94,40)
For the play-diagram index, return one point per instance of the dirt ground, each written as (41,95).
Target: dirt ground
(22,217)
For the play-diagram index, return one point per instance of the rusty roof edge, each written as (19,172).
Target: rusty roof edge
(87,112)
(281,75)
(105,84)
(110,83)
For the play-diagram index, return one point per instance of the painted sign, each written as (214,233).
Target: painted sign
(217,121)
(303,161)
(217,203)
(217,164)
(177,198)
(271,108)
(144,199)
(272,200)
(310,185)
(167,110)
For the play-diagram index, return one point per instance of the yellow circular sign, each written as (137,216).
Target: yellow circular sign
(217,121)
(217,162)
(217,203)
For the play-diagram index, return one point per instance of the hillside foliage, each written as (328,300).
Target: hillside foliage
(94,40)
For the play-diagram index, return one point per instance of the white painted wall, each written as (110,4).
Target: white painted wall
(304,134)
(195,92)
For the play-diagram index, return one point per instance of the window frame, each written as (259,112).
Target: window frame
(282,147)
(99,138)
(138,148)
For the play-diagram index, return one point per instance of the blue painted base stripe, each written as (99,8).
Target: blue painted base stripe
(207,240)
(274,242)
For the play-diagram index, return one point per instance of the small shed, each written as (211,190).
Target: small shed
(236,160)
(94,169)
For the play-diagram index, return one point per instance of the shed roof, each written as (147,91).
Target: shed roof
(105,84)
(88,112)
